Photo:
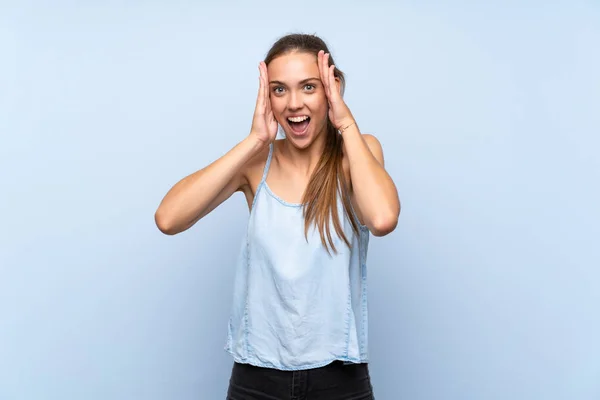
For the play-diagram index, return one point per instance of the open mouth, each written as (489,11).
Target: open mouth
(299,125)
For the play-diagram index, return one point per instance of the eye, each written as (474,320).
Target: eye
(278,89)
(309,87)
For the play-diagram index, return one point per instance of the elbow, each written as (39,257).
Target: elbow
(384,224)
(384,227)
(164,223)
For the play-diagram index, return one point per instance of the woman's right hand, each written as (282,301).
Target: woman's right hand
(264,124)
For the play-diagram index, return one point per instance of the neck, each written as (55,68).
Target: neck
(306,159)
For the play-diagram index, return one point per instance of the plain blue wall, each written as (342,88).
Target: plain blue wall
(489,116)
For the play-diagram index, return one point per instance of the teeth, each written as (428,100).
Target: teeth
(298,119)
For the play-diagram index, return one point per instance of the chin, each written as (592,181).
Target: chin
(300,141)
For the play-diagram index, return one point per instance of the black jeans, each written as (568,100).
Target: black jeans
(334,381)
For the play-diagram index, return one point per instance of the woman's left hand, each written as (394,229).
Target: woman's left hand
(339,113)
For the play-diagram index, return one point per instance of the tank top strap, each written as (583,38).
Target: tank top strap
(267,165)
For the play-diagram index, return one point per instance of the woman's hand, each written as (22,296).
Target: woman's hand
(264,125)
(339,113)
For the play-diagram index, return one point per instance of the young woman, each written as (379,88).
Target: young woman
(298,325)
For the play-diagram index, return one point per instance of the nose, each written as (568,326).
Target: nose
(295,101)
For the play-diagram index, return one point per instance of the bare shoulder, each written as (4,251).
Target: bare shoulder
(259,160)
(374,146)
(253,170)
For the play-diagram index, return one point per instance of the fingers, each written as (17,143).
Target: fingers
(266,90)
(327,72)
(260,100)
(322,64)
(263,103)
(332,86)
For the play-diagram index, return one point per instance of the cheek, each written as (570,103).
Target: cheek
(277,104)
(318,104)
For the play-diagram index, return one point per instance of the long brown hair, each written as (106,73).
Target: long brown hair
(327,180)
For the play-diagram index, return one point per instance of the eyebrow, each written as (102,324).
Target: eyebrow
(301,82)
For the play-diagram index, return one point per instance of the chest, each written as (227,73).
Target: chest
(277,242)
(287,185)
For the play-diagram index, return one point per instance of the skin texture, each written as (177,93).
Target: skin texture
(293,84)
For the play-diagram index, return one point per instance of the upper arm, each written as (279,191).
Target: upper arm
(242,181)
(375,147)
(235,184)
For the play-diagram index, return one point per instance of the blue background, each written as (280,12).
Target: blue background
(489,116)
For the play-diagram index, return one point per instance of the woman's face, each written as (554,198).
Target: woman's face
(298,98)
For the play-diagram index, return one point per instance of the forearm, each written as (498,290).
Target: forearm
(373,188)
(197,194)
